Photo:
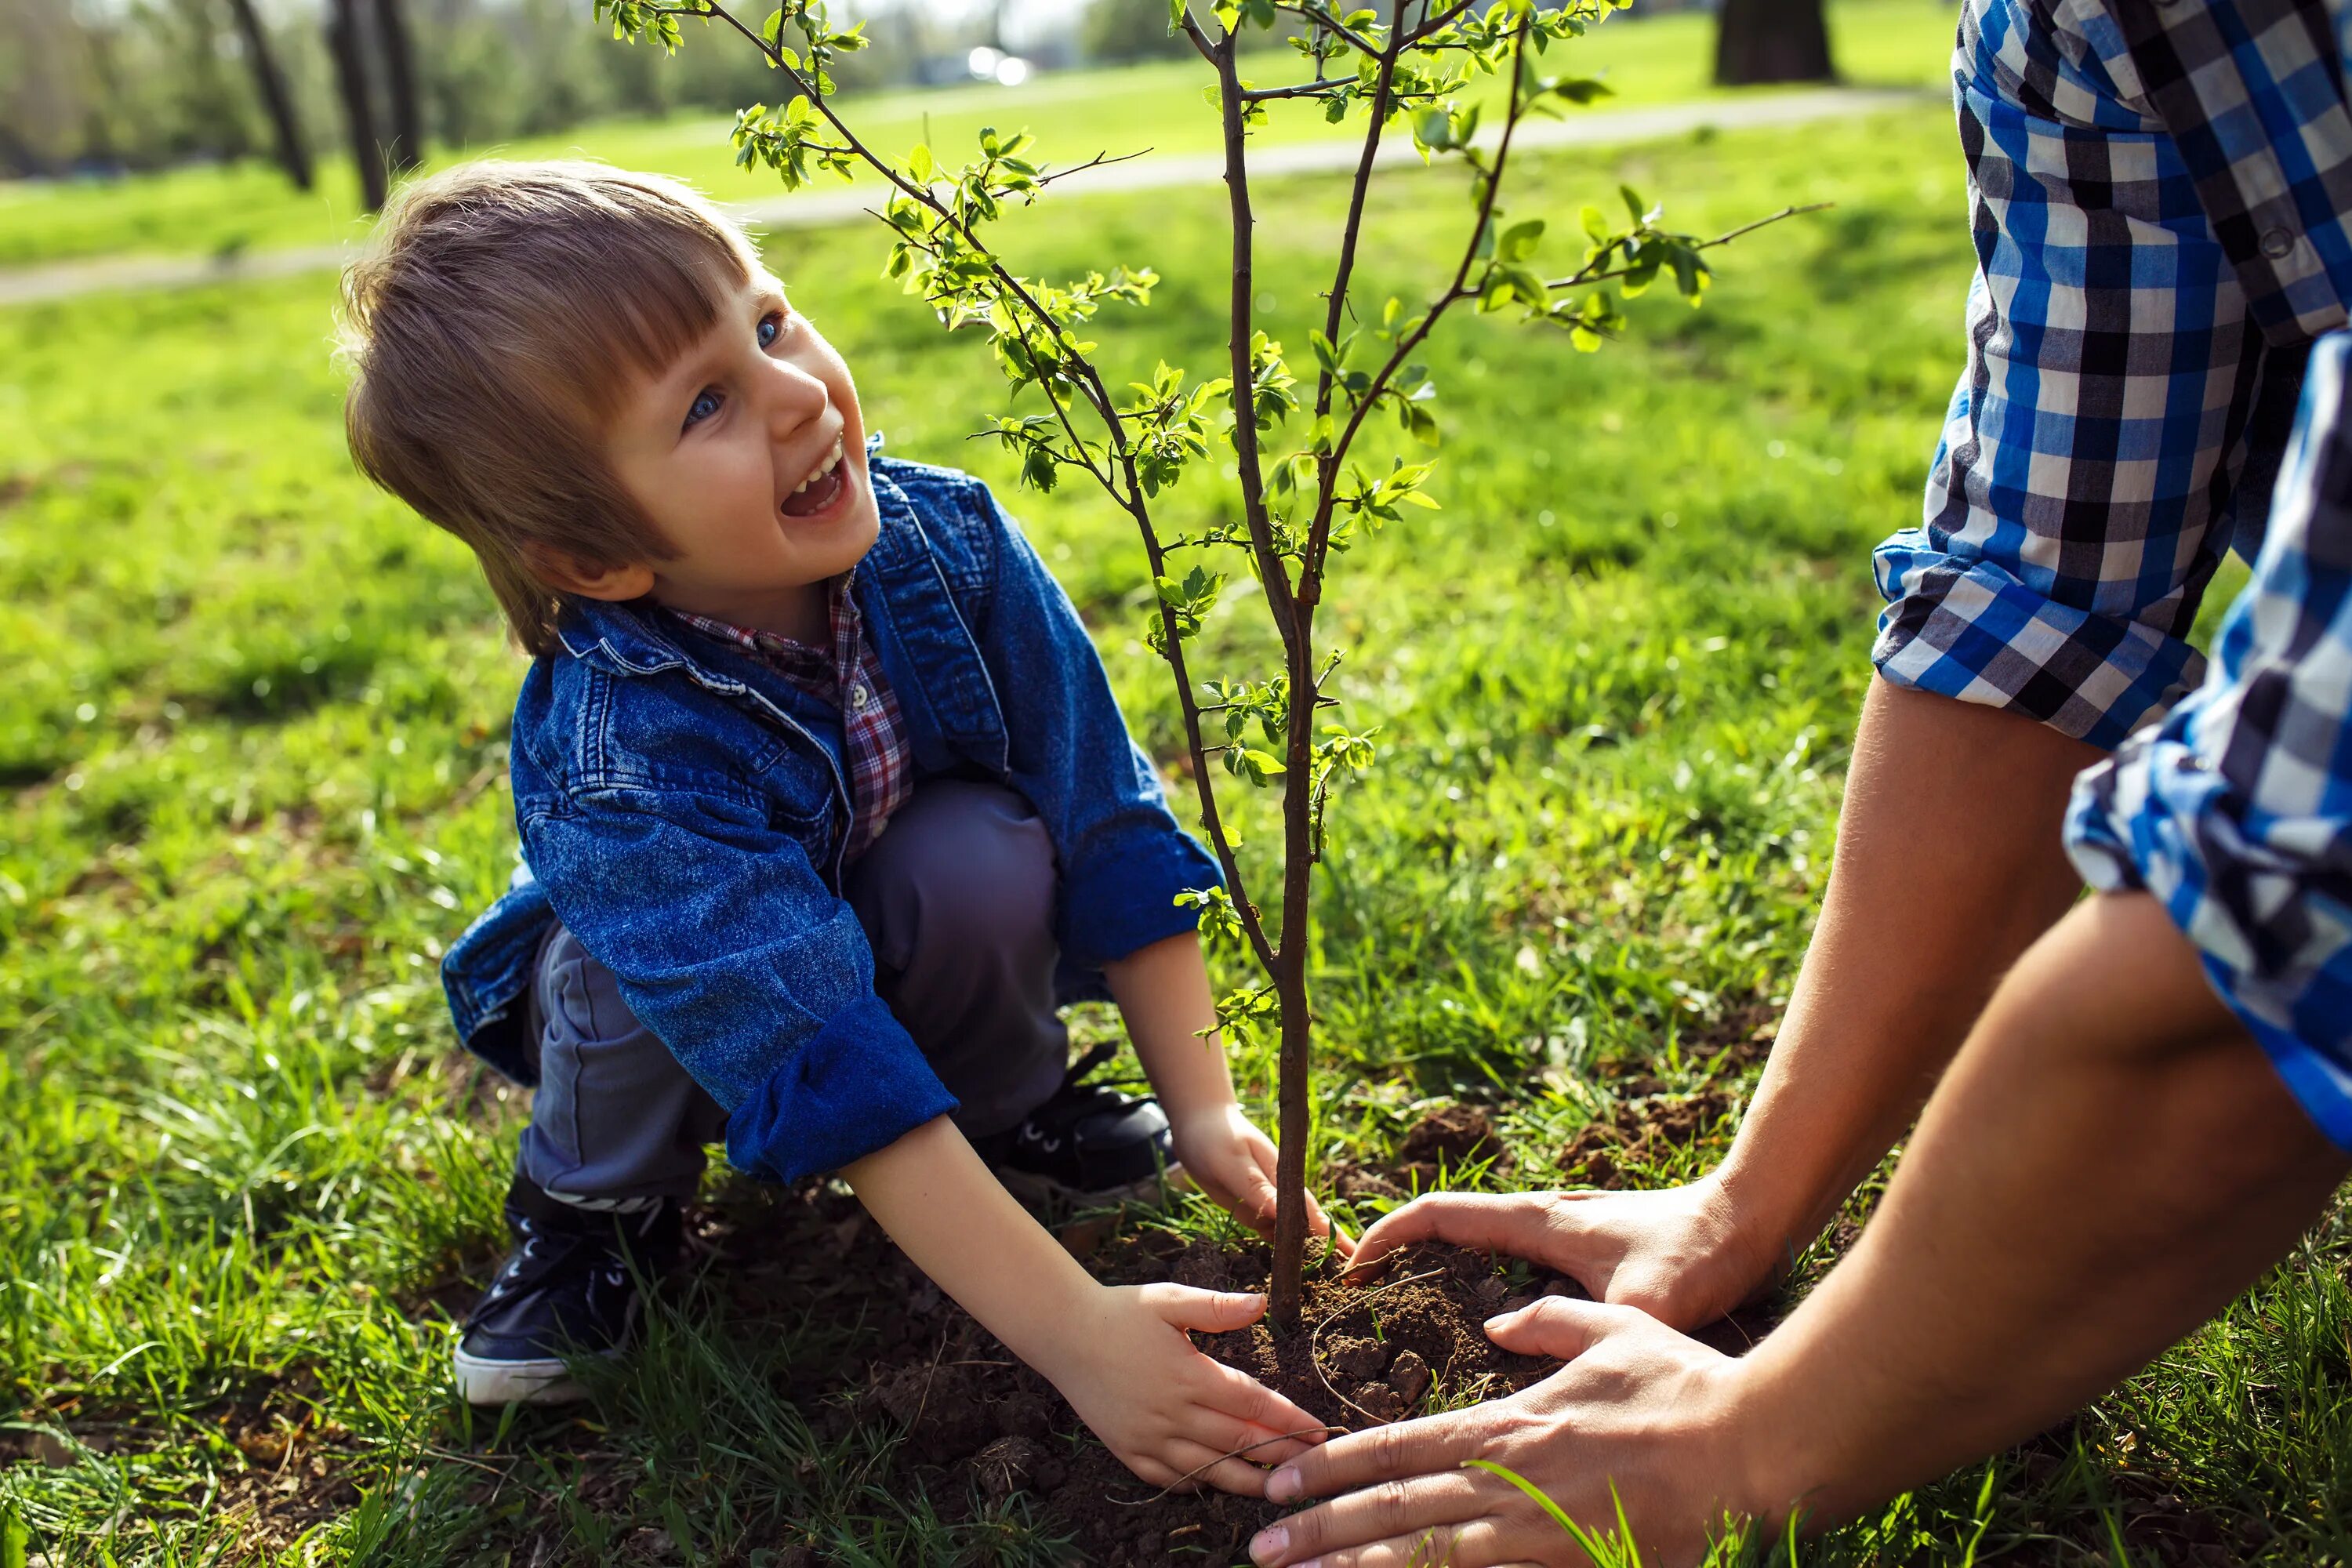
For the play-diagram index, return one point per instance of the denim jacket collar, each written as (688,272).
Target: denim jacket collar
(932,659)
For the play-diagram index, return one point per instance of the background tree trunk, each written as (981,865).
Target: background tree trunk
(1771,40)
(293,156)
(350,76)
(404,147)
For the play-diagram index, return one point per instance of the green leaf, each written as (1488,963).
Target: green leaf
(1519,241)
(920,165)
(1433,127)
(1581,89)
(1635,204)
(1595,224)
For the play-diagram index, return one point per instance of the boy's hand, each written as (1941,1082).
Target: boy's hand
(1171,1413)
(1232,1163)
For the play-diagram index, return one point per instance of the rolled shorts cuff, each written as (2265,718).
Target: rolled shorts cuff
(1967,629)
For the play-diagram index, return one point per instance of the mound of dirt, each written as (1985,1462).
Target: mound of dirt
(1365,1354)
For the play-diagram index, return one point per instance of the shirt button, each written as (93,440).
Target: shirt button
(2277,242)
(857,696)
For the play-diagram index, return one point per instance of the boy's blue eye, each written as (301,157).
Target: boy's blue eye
(771,328)
(706,404)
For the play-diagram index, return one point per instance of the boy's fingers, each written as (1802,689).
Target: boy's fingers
(1227,1475)
(1247,1440)
(1203,1311)
(1238,1394)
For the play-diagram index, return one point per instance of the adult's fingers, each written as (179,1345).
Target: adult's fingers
(1474,1545)
(1515,1223)
(1394,1452)
(1387,1511)
(1557,1326)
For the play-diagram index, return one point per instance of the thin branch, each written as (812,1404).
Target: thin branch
(1276,575)
(1336,309)
(1332,24)
(1430,27)
(1099,161)
(1205,785)
(1589,275)
(1320,535)
(1303,90)
(710,9)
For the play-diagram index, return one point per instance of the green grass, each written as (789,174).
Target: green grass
(243,206)
(254,736)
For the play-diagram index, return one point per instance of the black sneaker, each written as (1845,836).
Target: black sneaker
(570,1287)
(1088,1141)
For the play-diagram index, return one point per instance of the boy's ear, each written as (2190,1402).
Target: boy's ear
(566,572)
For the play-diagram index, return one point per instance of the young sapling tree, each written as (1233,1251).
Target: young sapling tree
(1305,492)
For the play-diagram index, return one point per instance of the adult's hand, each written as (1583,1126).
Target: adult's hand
(1684,1255)
(1638,1406)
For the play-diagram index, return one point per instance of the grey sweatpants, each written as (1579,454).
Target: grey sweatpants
(957,900)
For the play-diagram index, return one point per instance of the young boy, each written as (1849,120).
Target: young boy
(823,799)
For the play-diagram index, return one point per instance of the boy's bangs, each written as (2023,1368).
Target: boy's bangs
(650,307)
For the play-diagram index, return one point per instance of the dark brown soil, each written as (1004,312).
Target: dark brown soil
(1365,1353)
(1394,1346)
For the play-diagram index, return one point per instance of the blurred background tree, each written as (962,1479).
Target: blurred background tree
(94,87)
(100,87)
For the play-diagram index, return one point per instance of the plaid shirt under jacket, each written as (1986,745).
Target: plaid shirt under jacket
(849,676)
(2158,193)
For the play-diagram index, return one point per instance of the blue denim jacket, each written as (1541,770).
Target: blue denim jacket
(683,811)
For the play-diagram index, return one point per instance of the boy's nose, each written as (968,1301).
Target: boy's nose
(793,397)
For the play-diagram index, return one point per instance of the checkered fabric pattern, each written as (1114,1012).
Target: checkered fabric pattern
(2156,198)
(2236,811)
(874,735)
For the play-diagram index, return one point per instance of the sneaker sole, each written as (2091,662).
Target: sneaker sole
(484,1382)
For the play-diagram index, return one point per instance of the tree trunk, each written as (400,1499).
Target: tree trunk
(293,155)
(350,76)
(1294,1080)
(1771,40)
(406,145)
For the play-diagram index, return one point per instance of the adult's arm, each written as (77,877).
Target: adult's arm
(2110,1159)
(1948,866)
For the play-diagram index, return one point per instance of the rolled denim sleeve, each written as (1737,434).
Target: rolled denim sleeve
(755,974)
(2236,811)
(1123,858)
(2085,481)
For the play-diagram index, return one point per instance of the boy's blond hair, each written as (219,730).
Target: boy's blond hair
(492,330)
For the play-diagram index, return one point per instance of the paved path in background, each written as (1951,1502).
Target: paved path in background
(806,209)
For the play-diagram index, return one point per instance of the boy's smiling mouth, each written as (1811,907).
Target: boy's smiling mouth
(826,483)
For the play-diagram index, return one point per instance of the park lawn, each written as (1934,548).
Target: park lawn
(255,741)
(245,206)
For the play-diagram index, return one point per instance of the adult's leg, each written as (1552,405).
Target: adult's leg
(957,897)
